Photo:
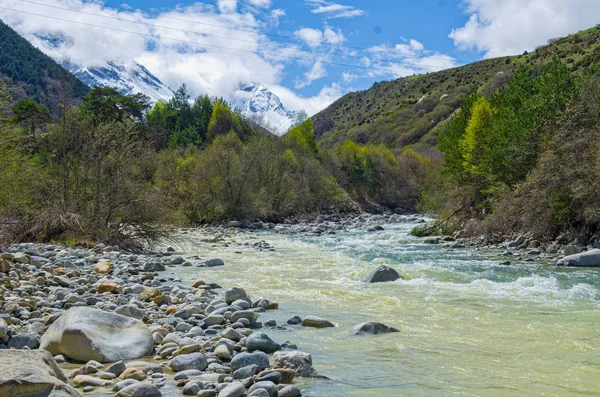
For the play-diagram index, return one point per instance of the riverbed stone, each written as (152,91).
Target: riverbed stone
(131,311)
(234,389)
(372,328)
(382,274)
(584,259)
(317,322)
(24,341)
(241,360)
(3,328)
(299,362)
(235,293)
(212,263)
(141,389)
(32,373)
(262,342)
(290,391)
(189,361)
(84,334)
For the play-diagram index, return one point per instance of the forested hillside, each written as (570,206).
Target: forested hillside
(409,111)
(31,73)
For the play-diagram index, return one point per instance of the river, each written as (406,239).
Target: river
(468,326)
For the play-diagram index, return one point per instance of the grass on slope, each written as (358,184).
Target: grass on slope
(407,111)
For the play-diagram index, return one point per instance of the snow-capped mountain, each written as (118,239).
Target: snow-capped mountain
(259,104)
(252,100)
(131,79)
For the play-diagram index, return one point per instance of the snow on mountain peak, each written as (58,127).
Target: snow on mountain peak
(259,104)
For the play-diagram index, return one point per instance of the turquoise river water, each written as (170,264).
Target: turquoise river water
(469,327)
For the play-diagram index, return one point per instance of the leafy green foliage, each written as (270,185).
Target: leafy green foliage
(410,111)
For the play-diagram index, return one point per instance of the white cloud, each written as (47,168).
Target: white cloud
(316,72)
(311,105)
(260,3)
(315,37)
(334,10)
(405,59)
(227,6)
(508,27)
(276,15)
(348,77)
(193,59)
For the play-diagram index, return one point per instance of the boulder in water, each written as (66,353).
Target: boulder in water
(584,259)
(84,334)
(317,322)
(372,328)
(383,274)
(299,362)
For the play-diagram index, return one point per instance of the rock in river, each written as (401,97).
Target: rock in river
(585,259)
(383,274)
(317,322)
(372,328)
(299,362)
(32,373)
(84,334)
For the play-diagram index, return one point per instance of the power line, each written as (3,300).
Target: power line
(209,45)
(207,34)
(195,42)
(368,50)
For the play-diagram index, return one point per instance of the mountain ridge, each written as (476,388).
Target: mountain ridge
(408,112)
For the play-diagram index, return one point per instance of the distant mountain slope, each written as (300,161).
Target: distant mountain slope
(36,73)
(407,111)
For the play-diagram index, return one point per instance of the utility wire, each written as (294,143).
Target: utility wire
(210,45)
(198,43)
(204,33)
(370,51)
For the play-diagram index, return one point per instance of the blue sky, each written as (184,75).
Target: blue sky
(181,42)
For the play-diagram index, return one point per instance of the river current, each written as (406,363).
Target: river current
(468,325)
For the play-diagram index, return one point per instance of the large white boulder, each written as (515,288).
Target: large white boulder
(584,259)
(85,334)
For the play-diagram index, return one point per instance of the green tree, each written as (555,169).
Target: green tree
(106,104)
(31,114)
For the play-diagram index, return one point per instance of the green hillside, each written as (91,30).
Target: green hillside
(407,111)
(32,73)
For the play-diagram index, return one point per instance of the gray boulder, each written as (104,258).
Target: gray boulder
(270,387)
(383,274)
(584,259)
(372,328)
(290,391)
(262,342)
(22,341)
(242,360)
(235,293)
(84,334)
(130,311)
(142,389)
(246,372)
(189,361)
(212,263)
(317,322)
(299,362)
(234,389)
(3,328)
(32,373)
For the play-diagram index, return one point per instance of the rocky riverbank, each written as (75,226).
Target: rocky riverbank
(114,326)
